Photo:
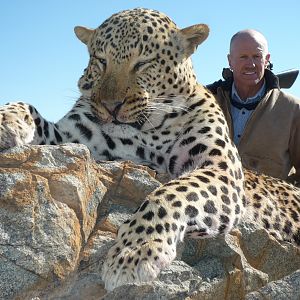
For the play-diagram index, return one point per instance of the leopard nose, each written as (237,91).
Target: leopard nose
(113,108)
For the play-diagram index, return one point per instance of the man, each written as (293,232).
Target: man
(263,120)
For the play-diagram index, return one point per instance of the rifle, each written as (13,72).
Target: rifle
(287,78)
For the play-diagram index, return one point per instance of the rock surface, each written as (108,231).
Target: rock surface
(59,214)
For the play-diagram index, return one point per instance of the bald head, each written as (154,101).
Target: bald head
(248,58)
(249,34)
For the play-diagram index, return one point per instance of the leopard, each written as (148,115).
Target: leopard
(140,101)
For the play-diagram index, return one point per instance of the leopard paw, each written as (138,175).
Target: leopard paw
(17,126)
(139,263)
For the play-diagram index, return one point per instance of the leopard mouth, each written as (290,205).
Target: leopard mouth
(118,113)
(136,125)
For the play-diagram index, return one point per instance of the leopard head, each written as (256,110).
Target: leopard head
(136,58)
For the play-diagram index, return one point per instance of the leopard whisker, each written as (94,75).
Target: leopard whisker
(169,107)
(148,120)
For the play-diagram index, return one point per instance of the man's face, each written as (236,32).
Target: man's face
(248,60)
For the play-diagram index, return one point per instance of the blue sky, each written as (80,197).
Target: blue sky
(41,59)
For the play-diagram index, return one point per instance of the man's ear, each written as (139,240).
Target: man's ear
(193,36)
(229,61)
(84,34)
(267,59)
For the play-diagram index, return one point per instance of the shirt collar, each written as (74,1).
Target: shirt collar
(256,97)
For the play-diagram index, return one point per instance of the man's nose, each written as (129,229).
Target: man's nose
(251,61)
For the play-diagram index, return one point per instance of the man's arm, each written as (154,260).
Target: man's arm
(294,146)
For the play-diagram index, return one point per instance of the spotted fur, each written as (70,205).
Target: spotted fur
(140,101)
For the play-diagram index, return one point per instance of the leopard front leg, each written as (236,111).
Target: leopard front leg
(202,205)
(145,245)
(20,124)
(17,125)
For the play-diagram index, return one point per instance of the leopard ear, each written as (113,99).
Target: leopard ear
(194,36)
(84,34)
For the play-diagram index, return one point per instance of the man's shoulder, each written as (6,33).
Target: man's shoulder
(288,100)
(289,97)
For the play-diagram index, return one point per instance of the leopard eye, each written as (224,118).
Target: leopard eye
(102,61)
(143,64)
(139,65)
(99,62)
